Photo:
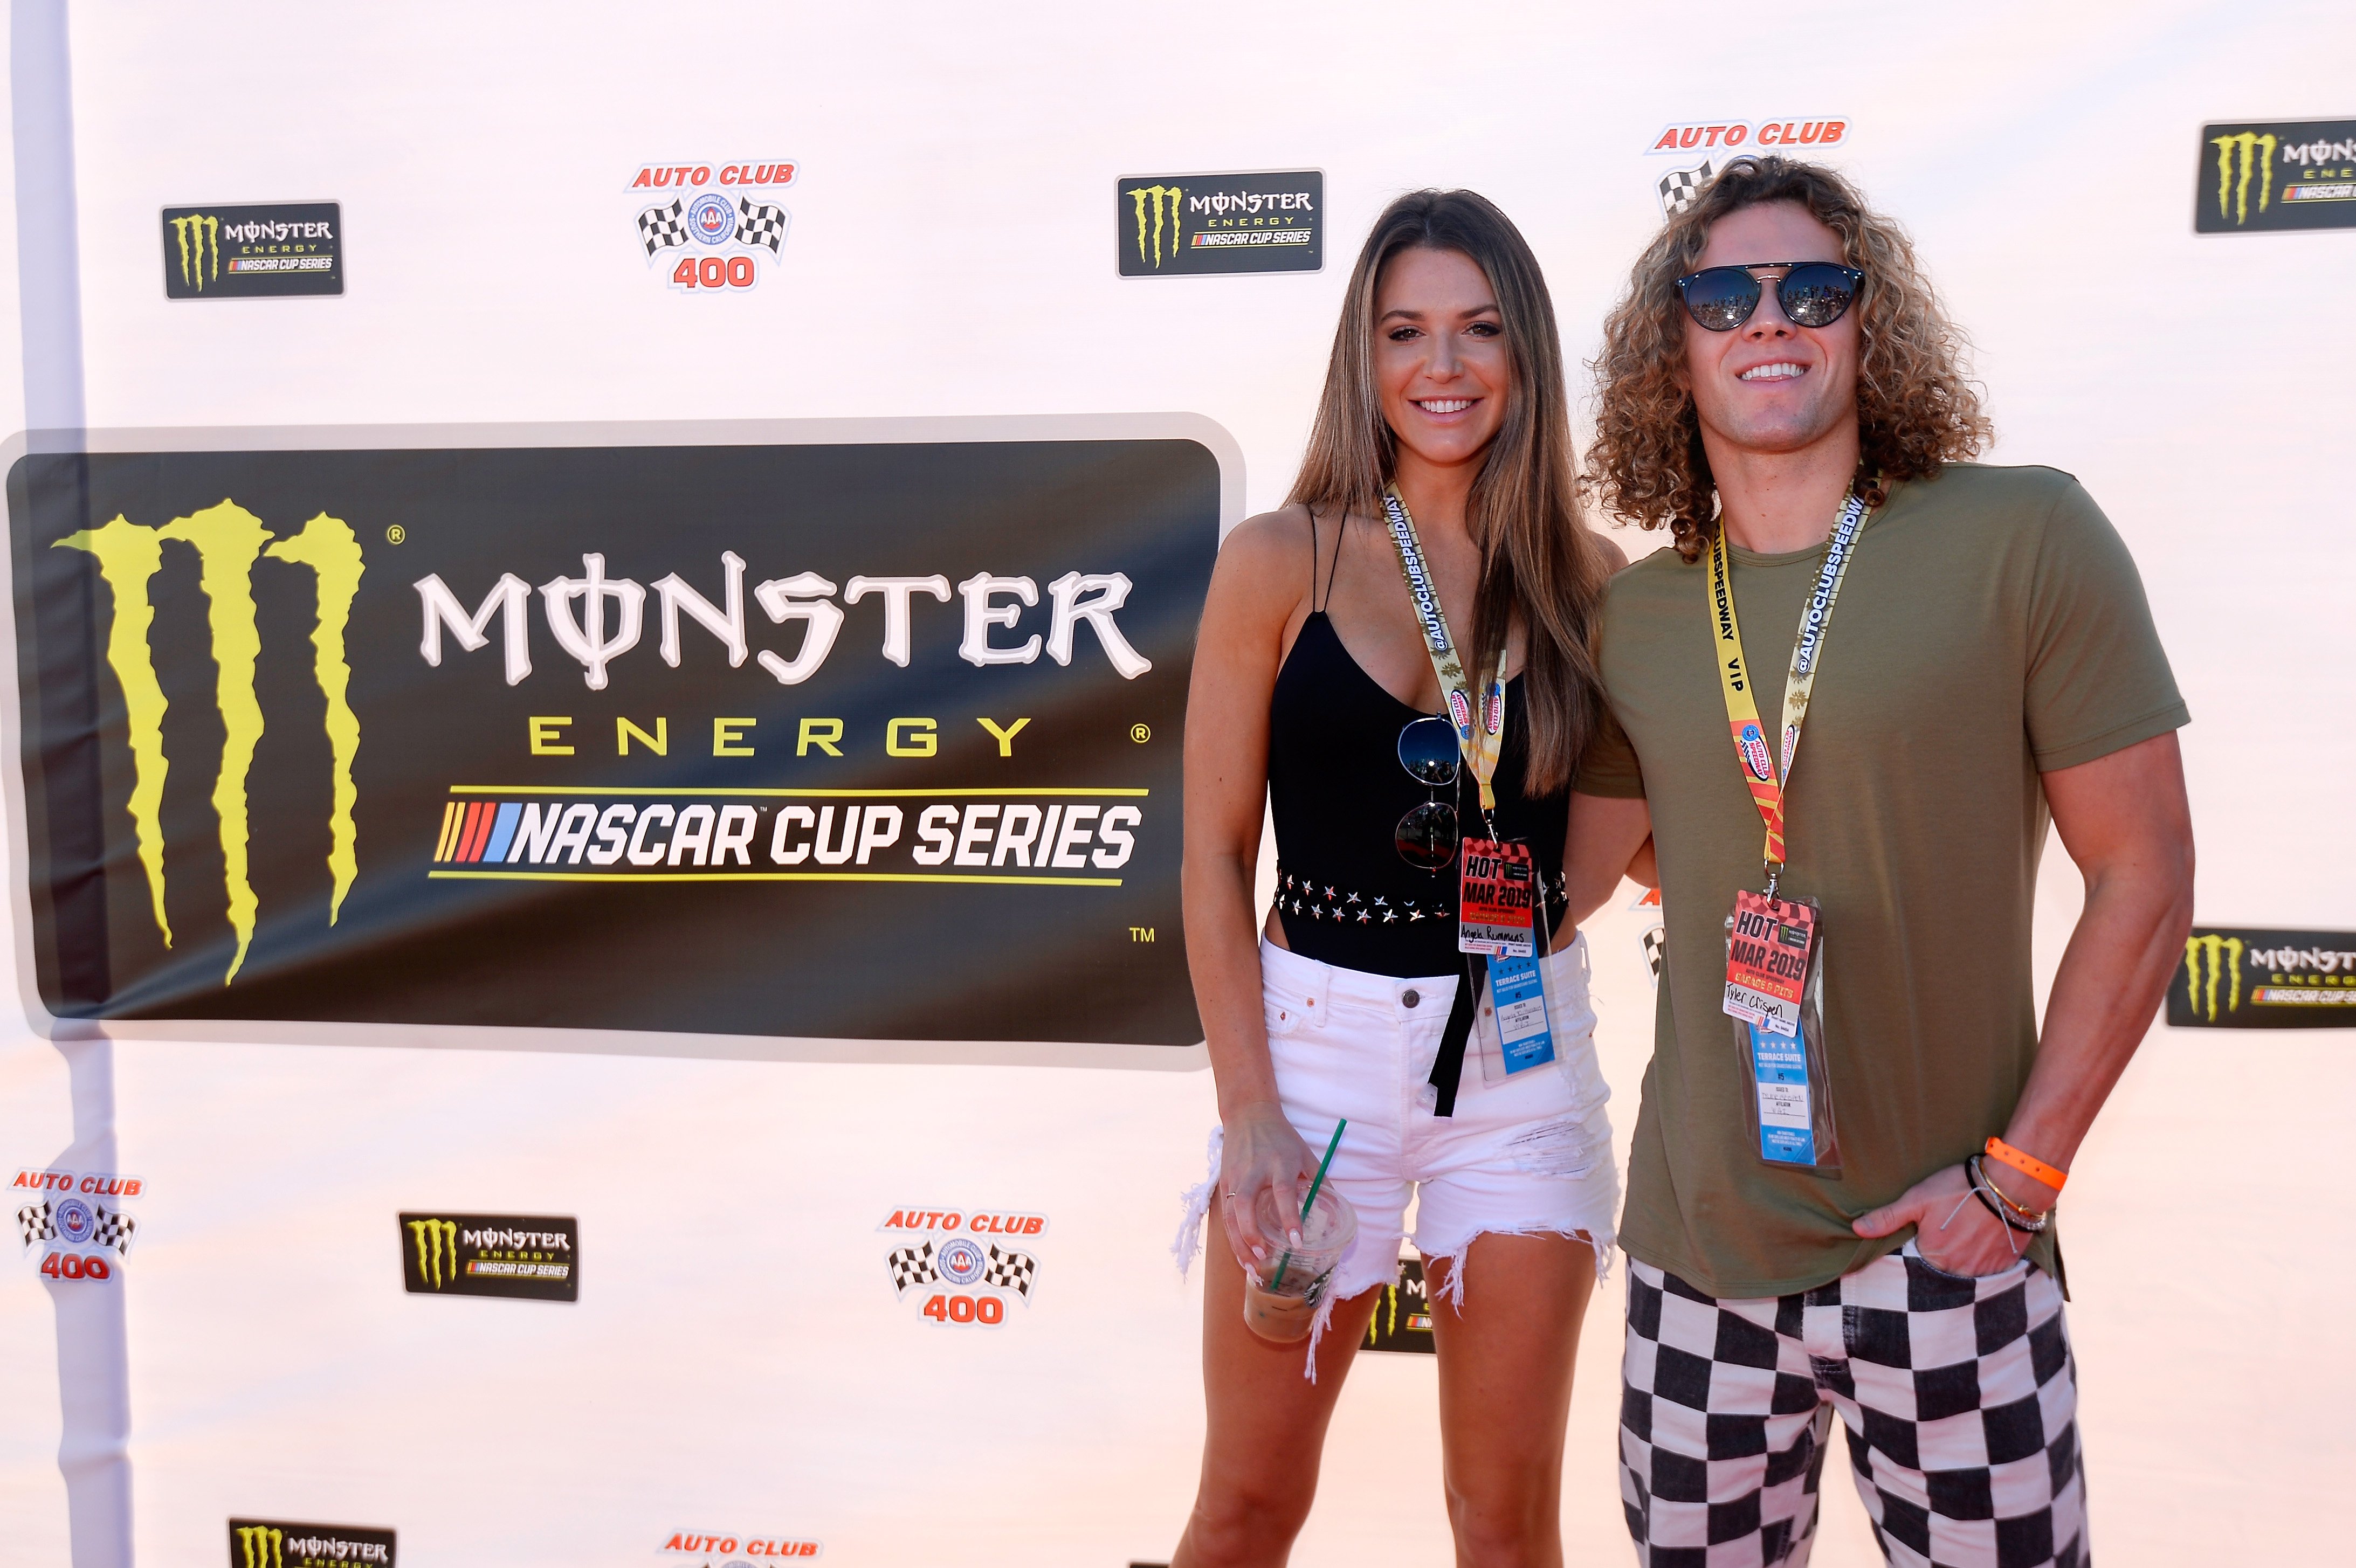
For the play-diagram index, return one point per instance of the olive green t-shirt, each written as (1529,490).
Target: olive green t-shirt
(1992,627)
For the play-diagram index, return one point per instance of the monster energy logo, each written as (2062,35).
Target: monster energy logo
(2222,956)
(1150,199)
(1403,1308)
(227,541)
(263,1546)
(2255,159)
(436,1240)
(205,250)
(258,1544)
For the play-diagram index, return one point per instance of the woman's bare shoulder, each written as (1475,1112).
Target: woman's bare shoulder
(1269,555)
(1260,538)
(1614,558)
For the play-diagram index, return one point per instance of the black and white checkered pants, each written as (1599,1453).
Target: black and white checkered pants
(1960,1397)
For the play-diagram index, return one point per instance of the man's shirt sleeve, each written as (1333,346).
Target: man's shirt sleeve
(1608,767)
(2098,679)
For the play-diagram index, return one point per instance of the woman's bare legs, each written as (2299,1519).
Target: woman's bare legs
(1506,1367)
(1266,1432)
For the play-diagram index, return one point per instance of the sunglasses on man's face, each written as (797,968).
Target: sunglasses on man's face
(1812,294)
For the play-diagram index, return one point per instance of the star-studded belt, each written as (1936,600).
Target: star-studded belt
(1315,899)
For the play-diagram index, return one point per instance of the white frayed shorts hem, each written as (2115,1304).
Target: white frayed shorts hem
(1528,1154)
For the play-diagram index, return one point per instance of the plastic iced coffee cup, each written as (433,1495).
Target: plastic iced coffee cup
(1283,1290)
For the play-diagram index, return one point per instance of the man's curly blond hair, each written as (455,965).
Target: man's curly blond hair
(1917,408)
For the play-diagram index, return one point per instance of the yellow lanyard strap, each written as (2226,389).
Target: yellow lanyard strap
(1759,770)
(1479,732)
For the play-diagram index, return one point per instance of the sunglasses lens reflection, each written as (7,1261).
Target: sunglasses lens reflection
(1721,298)
(1816,294)
(1427,836)
(1428,750)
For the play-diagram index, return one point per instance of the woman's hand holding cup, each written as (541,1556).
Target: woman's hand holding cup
(1261,1150)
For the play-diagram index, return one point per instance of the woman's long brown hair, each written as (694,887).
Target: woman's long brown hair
(1539,564)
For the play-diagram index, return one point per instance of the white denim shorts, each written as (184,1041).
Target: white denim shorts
(1526,1154)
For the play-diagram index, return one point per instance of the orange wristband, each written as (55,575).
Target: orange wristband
(2028,1164)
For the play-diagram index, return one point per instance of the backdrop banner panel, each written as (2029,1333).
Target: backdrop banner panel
(714,738)
(601,603)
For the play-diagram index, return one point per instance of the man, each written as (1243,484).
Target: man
(1852,1137)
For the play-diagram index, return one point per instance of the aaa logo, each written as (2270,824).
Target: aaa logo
(229,540)
(1754,752)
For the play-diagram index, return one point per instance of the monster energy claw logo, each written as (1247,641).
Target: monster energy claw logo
(436,1240)
(227,541)
(200,238)
(1149,198)
(2256,158)
(264,1547)
(2222,956)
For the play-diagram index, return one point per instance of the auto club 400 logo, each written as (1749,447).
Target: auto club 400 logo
(726,1549)
(1719,140)
(960,1265)
(716,216)
(67,1221)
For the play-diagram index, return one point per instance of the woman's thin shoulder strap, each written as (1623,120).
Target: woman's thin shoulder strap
(1313,557)
(1341,532)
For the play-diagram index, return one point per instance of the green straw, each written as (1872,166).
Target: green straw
(1311,1202)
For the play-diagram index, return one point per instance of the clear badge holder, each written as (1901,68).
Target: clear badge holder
(1514,1027)
(1789,1104)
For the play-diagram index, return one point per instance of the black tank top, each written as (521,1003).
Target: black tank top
(1337,792)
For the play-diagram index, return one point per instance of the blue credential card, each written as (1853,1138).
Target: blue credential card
(1518,991)
(1779,1067)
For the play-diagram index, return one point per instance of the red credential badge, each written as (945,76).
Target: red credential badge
(1494,900)
(1767,961)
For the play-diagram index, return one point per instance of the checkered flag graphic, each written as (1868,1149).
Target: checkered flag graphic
(34,1220)
(912,1265)
(661,227)
(1680,189)
(1010,1270)
(1657,950)
(759,223)
(113,1231)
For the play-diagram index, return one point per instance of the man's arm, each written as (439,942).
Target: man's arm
(1605,835)
(2124,820)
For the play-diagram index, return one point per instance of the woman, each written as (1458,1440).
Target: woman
(1315,688)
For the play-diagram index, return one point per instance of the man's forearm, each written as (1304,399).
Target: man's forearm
(2116,968)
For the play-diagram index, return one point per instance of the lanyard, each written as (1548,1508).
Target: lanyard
(1758,769)
(1479,734)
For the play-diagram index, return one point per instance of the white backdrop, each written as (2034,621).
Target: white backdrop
(737,1364)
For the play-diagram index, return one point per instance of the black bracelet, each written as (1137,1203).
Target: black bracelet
(1972,1175)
